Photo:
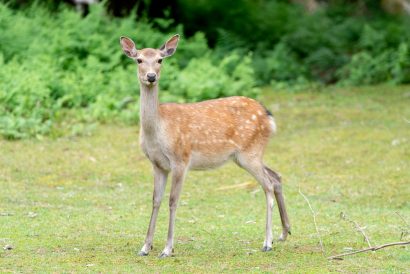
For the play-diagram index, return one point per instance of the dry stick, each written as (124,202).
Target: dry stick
(404,220)
(314,220)
(358,227)
(367,249)
(404,232)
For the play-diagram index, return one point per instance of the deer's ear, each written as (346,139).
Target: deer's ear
(170,46)
(128,47)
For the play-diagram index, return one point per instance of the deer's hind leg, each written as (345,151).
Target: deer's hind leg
(277,189)
(272,187)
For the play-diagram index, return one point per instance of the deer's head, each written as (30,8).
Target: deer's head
(149,60)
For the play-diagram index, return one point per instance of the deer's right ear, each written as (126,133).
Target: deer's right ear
(128,47)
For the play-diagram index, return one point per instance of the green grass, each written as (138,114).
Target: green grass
(347,149)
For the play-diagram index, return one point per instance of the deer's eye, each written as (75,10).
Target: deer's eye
(159,61)
(139,61)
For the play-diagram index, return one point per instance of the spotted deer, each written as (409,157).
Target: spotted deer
(179,137)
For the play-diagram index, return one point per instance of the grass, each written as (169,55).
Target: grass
(83,204)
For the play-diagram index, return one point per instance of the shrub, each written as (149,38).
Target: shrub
(202,79)
(290,44)
(57,67)
(365,68)
(280,65)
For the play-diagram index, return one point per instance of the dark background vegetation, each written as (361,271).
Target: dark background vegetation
(61,66)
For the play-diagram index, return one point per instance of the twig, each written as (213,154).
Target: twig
(314,220)
(404,231)
(339,256)
(358,227)
(404,220)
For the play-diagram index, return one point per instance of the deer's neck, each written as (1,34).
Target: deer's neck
(149,105)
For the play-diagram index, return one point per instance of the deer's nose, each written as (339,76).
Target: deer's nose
(151,77)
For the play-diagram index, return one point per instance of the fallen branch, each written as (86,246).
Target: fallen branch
(367,249)
(314,220)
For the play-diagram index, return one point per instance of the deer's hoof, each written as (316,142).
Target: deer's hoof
(164,255)
(266,248)
(142,253)
(283,236)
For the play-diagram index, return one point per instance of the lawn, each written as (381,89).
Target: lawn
(82,204)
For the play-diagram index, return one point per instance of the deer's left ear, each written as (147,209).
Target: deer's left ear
(170,46)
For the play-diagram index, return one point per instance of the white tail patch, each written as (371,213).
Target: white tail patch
(272,124)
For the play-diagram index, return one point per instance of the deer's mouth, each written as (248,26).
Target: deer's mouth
(148,83)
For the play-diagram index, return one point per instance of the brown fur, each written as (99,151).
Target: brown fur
(211,126)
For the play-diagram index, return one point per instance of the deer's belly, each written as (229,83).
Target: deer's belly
(200,160)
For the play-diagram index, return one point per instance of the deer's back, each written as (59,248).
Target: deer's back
(210,132)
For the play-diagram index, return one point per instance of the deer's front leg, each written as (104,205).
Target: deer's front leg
(160,180)
(178,174)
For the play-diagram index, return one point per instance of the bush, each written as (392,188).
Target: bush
(280,64)
(59,68)
(290,44)
(366,68)
(202,79)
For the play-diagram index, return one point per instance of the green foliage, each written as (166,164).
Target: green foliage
(203,79)
(58,68)
(26,103)
(280,64)
(58,64)
(290,44)
(368,68)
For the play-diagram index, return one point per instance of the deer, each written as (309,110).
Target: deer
(178,137)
